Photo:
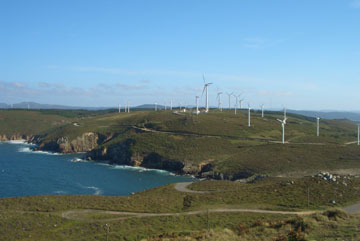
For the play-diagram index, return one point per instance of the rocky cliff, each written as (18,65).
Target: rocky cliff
(84,143)
(122,153)
(15,137)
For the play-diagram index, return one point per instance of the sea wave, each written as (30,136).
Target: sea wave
(60,192)
(17,142)
(78,160)
(97,190)
(29,150)
(139,169)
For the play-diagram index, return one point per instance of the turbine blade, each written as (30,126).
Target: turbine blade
(203,91)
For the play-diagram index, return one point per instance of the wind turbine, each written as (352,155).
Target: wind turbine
(262,111)
(119,108)
(219,100)
(128,105)
(155,106)
(171,104)
(197,104)
(358,135)
(249,116)
(240,102)
(206,87)
(236,102)
(283,123)
(317,126)
(229,99)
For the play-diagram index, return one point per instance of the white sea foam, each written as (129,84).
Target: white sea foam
(97,190)
(78,160)
(24,149)
(60,192)
(139,169)
(17,142)
(29,150)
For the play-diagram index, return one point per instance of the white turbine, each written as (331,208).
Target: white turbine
(262,111)
(236,102)
(240,102)
(171,104)
(219,100)
(197,104)
(249,116)
(119,108)
(206,88)
(283,123)
(317,126)
(229,99)
(128,106)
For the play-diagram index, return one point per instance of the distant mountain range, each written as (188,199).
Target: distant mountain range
(332,115)
(325,114)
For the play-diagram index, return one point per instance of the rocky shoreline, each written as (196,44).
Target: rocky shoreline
(120,154)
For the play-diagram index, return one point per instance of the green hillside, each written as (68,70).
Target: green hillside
(216,144)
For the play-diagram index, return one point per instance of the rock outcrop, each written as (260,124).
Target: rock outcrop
(15,137)
(84,143)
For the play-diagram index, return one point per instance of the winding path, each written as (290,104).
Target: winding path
(77,214)
(182,187)
(81,215)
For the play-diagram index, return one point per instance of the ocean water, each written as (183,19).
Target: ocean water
(26,173)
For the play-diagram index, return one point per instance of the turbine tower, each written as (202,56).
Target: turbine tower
(236,102)
(206,88)
(197,104)
(262,111)
(171,104)
(128,105)
(240,102)
(283,123)
(219,100)
(358,142)
(317,126)
(229,99)
(249,116)
(119,108)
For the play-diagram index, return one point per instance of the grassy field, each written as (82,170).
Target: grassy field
(42,217)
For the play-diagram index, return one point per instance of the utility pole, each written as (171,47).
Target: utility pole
(107,231)
(317,126)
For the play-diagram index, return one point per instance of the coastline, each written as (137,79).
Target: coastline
(99,162)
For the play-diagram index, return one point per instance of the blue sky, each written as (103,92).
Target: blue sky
(302,54)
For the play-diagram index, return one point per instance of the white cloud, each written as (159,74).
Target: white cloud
(44,85)
(18,85)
